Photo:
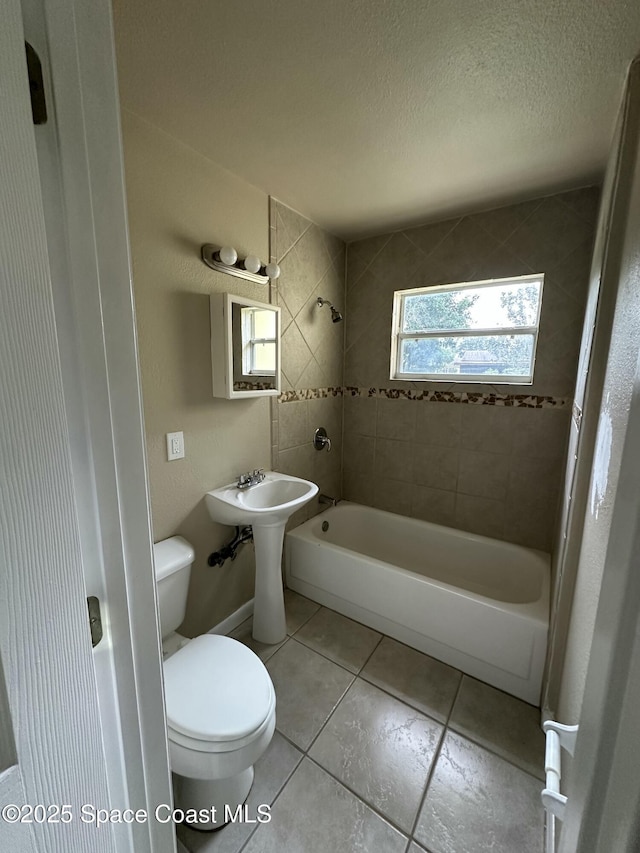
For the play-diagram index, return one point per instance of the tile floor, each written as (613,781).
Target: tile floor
(381,749)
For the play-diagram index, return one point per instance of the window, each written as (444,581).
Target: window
(481,331)
(258,342)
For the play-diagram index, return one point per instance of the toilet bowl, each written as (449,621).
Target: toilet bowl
(220,703)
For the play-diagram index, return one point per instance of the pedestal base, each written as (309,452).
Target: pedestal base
(269,622)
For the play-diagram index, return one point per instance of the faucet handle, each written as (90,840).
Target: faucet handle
(251,478)
(321,440)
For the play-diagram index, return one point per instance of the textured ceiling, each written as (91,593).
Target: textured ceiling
(367,115)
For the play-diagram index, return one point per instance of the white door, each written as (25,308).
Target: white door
(44,639)
(78,727)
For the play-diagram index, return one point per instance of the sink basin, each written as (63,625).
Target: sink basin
(266,507)
(269,503)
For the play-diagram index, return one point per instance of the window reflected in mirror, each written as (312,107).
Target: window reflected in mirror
(254,348)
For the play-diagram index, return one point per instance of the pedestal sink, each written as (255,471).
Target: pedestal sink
(266,507)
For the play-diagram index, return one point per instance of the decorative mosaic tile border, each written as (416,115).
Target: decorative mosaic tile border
(253,386)
(476,398)
(310,394)
(520,401)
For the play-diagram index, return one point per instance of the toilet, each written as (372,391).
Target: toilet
(220,701)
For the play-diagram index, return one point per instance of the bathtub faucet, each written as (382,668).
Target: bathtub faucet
(327,499)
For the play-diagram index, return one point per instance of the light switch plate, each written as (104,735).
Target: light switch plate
(175,446)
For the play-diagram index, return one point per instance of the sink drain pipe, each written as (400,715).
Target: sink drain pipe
(230,551)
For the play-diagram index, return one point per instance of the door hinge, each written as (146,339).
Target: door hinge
(36,86)
(95,620)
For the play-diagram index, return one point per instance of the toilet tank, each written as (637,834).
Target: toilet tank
(172,559)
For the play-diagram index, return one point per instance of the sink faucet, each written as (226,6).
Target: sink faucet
(251,478)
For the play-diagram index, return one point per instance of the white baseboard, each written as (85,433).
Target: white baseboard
(236,618)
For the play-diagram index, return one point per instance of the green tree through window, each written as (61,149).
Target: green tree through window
(514,351)
(447,310)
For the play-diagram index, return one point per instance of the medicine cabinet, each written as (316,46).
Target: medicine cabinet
(245,347)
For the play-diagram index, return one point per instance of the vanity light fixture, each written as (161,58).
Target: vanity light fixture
(225,259)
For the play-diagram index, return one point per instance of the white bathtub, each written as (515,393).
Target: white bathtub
(475,603)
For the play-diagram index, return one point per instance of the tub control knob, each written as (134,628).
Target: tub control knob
(321,440)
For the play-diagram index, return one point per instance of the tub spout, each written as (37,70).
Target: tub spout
(327,499)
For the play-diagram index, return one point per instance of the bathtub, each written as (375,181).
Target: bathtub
(475,603)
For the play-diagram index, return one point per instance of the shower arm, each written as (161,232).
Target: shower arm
(336,316)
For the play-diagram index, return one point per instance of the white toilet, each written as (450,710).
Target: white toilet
(220,702)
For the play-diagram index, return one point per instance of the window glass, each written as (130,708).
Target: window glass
(264,358)
(476,332)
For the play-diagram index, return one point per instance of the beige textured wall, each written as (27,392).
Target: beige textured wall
(312,264)
(178,200)
(489,469)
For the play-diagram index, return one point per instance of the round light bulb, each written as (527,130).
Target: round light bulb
(252,263)
(272,270)
(228,255)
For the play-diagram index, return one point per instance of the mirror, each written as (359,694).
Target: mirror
(245,347)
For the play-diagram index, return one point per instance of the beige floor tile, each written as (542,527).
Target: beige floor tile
(315,814)
(343,640)
(418,679)
(308,687)
(477,801)
(380,748)
(298,609)
(500,722)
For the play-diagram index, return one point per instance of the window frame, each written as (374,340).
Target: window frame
(397,335)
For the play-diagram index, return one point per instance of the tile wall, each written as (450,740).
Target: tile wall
(493,470)
(312,264)
(489,466)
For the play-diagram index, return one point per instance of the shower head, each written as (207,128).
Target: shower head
(336,316)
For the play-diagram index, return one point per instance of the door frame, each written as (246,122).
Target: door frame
(84,79)
(95,321)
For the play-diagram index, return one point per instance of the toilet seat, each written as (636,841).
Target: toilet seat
(219,696)
(221,746)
